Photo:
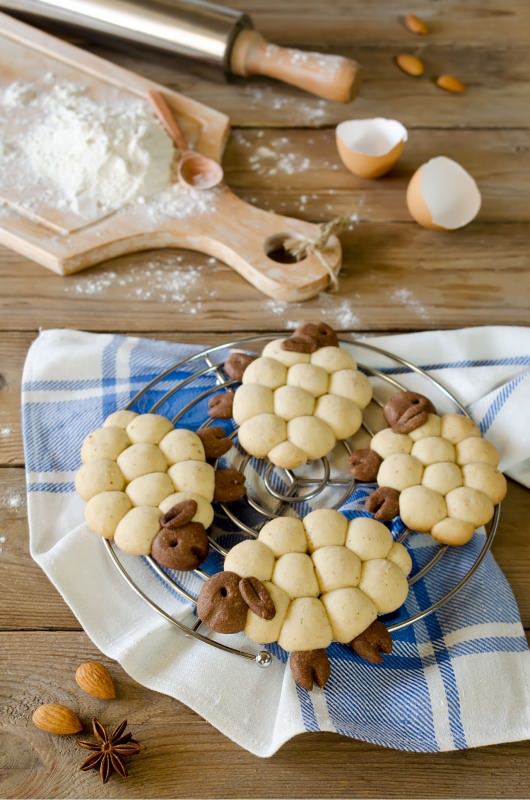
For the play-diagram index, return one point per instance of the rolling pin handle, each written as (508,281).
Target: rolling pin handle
(329,76)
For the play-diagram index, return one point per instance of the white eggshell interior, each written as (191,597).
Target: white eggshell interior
(449,192)
(373,137)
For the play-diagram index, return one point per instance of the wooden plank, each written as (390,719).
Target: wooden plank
(309,23)
(29,601)
(395,277)
(381,262)
(185,757)
(300,173)
(13,348)
(496,77)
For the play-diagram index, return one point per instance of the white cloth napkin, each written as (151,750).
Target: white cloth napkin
(460,678)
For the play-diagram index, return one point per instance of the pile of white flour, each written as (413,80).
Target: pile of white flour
(93,156)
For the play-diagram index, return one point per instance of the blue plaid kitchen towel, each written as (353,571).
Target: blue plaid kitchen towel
(459,678)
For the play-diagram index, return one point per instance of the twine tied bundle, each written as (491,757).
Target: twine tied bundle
(301,248)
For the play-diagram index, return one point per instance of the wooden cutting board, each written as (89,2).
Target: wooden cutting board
(229,229)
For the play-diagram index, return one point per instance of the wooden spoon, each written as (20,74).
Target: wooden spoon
(194,170)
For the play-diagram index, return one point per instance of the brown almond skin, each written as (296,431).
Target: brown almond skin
(94,679)
(56,718)
(450,83)
(416,25)
(411,65)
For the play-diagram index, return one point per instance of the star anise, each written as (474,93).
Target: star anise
(109,750)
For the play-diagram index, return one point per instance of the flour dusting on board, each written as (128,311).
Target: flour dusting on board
(93,155)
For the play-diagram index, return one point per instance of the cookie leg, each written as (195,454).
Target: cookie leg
(365,465)
(229,485)
(372,642)
(309,667)
(383,503)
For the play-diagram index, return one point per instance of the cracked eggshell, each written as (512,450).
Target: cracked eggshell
(370,147)
(442,196)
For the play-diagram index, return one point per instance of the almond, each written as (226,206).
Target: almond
(416,25)
(412,65)
(450,83)
(93,678)
(56,718)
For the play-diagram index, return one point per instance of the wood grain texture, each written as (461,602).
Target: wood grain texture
(396,277)
(450,21)
(185,757)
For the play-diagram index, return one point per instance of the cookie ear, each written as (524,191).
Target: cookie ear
(179,515)
(257,598)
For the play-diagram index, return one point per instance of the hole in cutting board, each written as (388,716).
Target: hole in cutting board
(275,249)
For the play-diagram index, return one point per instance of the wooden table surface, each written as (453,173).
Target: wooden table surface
(396,276)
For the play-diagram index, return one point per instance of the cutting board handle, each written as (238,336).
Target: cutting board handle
(251,242)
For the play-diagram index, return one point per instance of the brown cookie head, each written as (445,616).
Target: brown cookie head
(257,598)
(179,514)
(323,334)
(236,364)
(383,503)
(372,642)
(183,548)
(309,667)
(220,405)
(229,485)
(309,337)
(220,604)
(300,344)
(365,465)
(406,411)
(215,442)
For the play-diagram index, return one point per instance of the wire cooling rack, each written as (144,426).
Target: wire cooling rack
(283,489)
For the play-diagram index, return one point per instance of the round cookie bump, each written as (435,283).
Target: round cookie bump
(100,475)
(301,396)
(148,486)
(104,443)
(439,468)
(328,579)
(148,428)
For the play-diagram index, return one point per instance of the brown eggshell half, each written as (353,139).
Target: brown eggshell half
(417,206)
(442,195)
(365,164)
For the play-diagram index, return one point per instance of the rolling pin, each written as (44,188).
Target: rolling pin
(206,31)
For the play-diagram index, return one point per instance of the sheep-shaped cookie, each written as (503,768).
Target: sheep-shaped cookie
(437,472)
(305,583)
(148,486)
(301,396)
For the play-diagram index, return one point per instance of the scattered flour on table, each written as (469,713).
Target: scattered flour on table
(268,161)
(311,111)
(160,280)
(5,431)
(2,542)
(404,297)
(12,499)
(89,155)
(340,314)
